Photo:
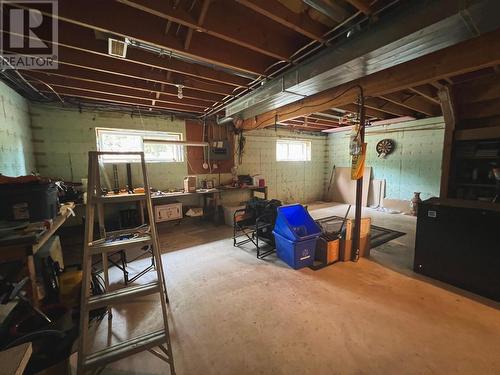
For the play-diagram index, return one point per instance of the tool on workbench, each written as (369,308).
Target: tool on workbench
(148,341)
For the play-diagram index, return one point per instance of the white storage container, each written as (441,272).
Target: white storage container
(229,214)
(166,212)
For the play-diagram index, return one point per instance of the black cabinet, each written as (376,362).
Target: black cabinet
(460,246)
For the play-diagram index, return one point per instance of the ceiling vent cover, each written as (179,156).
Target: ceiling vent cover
(117,48)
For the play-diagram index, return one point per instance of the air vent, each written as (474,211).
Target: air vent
(117,48)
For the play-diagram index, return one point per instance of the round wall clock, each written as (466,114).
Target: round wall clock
(385,147)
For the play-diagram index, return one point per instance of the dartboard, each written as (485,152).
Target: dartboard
(385,147)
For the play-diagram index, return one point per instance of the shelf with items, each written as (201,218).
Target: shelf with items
(473,170)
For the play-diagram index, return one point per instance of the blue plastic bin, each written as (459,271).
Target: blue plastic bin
(294,223)
(297,254)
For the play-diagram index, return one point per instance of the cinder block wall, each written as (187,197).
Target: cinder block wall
(63,137)
(16,150)
(415,164)
(288,181)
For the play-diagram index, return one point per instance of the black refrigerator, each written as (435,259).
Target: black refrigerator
(460,245)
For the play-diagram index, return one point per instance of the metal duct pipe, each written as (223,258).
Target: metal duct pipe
(416,29)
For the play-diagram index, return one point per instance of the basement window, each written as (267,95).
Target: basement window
(133,140)
(293,150)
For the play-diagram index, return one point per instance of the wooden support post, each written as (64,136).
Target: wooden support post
(359,185)
(447,100)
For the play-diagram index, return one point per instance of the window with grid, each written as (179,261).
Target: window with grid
(133,140)
(293,150)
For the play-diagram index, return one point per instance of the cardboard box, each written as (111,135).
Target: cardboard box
(346,248)
(327,251)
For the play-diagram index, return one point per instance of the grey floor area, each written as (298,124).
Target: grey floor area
(234,314)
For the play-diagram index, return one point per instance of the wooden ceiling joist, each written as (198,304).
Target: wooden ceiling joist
(428,92)
(85,75)
(94,14)
(474,54)
(413,102)
(101,88)
(148,103)
(389,107)
(370,112)
(79,38)
(479,90)
(263,39)
(108,64)
(361,5)
(279,13)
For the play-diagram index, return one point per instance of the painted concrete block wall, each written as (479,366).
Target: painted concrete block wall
(288,181)
(16,150)
(415,164)
(63,138)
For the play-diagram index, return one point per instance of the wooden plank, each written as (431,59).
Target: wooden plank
(111,98)
(95,15)
(478,110)
(361,5)
(413,102)
(479,133)
(389,107)
(264,39)
(279,13)
(83,39)
(447,99)
(100,88)
(480,89)
(72,73)
(15,360)
(428,92)
(474,54)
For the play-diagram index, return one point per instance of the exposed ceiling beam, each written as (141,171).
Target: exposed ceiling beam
(279,13)
(328,8)
(413,102)
(247,34)
(93,87)
(389,107)
(370,112)
(474,54)
(428,92)
(75,93)
(83,39)
(95,14)
(479,90)
(93,76)
(361,5)
(201,18)
(108,64)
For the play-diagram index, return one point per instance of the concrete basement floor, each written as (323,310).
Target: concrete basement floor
(234,314)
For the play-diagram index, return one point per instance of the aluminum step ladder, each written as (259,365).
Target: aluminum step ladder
(160,339)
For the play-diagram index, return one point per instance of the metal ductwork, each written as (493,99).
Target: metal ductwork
(414,29)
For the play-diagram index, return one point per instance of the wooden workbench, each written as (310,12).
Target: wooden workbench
(25,251)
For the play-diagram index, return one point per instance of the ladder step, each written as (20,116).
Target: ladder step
(126,348)
(116,245)
(119,198)
(122,295)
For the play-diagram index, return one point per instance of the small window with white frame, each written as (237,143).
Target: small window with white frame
(293,150)
(124,140)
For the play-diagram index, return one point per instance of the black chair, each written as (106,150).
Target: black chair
(255,224)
